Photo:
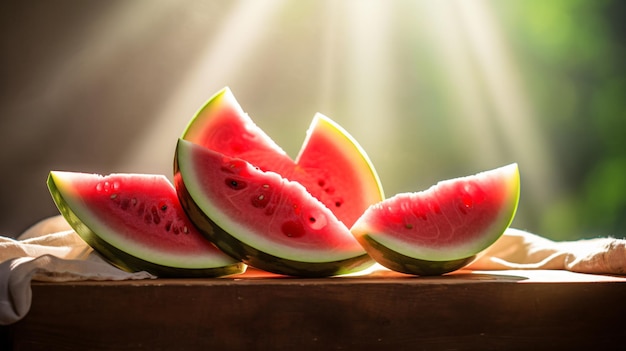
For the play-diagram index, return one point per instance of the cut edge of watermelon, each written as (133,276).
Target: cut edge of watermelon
(329,126)
(88,227)
(191,181)
(224,95)
(510,174)
(223,100)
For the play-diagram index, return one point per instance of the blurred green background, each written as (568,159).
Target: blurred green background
(431,89)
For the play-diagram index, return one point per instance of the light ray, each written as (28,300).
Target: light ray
(464,99)
(215,67)
(368,81)
(515,118)
(328,56)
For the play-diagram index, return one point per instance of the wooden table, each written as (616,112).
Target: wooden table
(499,310)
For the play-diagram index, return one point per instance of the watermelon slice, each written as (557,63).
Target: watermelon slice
(331,165)
(441,229)
(261,218)
(136,222)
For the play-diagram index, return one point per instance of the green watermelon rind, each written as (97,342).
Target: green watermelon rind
(133,257)
(244,244)
(256,258)
(460,251)
(187,182)
(410,265)
(187,176)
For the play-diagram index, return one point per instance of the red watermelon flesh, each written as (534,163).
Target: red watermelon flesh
(452,220)
(223,126)
(136,221)
(267,221)
(331,165)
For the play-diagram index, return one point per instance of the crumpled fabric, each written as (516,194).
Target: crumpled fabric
(52,251)
(518,249)
(48,251)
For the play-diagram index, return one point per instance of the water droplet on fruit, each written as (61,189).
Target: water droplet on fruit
(235,184)
(103,187)
(467,200)
(116,185)
(292,229)
(465,205)
(317,220)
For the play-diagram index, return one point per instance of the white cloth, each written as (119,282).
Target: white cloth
(52,251)
(48,251)
(517,249)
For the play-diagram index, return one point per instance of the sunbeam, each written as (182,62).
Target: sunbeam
(512,111)
(226,52)
(430,89)
(368,80)
(463,98)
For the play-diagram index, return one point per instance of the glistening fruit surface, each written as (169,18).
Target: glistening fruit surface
(452,220)
(264,220)
(136,221)
(331,165)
